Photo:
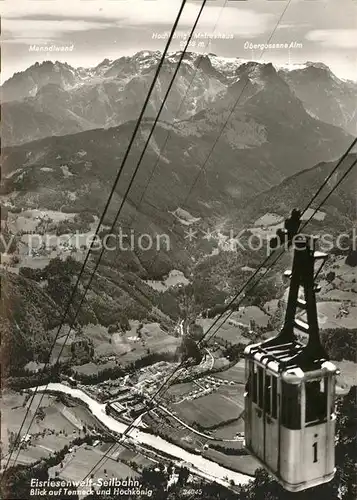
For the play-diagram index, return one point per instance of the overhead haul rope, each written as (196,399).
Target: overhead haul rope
(152,173)
(124,199)
(165,383)
(138,123)
(175,371)
(204,165)
(268,258)
(251,277)
(284,246)
(137,167)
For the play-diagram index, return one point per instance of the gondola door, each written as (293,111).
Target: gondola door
(262,415)
(257,420)
(271,422)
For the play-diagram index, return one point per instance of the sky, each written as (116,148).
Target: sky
(92,30)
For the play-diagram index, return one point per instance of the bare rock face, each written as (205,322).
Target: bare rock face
(51,98)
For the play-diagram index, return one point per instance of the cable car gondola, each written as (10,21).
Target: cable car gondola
(290,389)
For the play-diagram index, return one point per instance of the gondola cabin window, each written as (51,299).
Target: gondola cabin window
(291,406)
(316,401)
(255,383)
(257,380)
(260,387)
(268,393)
(271,395)
(249,387)
(274,399)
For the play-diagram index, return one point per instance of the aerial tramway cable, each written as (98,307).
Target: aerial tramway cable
(215,142)
(279,255)
(67,310)
(114,224)
(105,457)
(125,196)
(262,265)
(136,170)
(268,258)
(152,173)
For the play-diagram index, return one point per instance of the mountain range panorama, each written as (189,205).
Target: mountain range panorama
(51,99)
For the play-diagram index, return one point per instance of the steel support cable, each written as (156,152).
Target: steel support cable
(275,28)
(284,246)
(152,173)
(268,258)
(204,165)
(163,147)
(135,172)
(171,376)
(72,296)
(124,197)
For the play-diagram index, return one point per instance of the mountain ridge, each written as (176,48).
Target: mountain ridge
(62,97)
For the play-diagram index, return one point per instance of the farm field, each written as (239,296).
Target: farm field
(57,427)
(235,373)
(220,363)
(227,332)
(181,389)
(342,285)
(78,462)
(329,316)
(233,394)
(212,410)
(133,344)
(229,431)
(245,463)
(14,407)
(128,455)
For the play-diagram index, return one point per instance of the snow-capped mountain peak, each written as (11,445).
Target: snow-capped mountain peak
(112,92)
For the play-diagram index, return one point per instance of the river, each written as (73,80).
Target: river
(196,463)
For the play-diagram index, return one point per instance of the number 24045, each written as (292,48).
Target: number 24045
(192,492)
